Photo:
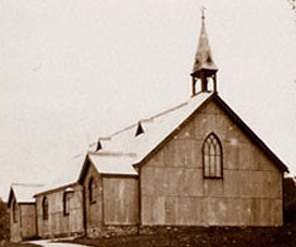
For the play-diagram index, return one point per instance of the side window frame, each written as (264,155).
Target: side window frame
(66,203)
(91,190)
(45,208)
(14,211)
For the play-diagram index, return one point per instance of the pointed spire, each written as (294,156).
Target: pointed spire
(203,58)
(204,66)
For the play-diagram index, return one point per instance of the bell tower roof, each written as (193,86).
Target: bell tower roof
(204,68)
(203,57)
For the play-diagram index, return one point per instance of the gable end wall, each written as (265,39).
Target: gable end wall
(174,192)
(15,227)
(93,211)
(25,225)
(115,210)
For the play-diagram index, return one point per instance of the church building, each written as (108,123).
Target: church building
(196,164)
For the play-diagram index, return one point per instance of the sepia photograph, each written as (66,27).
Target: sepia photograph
(147,123)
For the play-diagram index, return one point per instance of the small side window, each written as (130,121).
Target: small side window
(91,190)
(45,208)
(66,203)
(14,212)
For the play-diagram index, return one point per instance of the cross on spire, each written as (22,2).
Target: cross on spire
(204,67)
(203,9)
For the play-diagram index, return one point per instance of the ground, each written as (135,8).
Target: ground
(204,237)
(49,243)
(6,243)
(190,237)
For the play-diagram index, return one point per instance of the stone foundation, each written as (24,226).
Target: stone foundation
(62,235)
(112,230)
(120,230)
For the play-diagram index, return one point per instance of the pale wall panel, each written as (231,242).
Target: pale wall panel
(120,200)
(57,223)
(28,220)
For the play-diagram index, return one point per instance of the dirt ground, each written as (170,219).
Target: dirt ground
(204,237)
(49,243)
(6,243)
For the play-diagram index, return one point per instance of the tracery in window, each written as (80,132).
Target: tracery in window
(212,157)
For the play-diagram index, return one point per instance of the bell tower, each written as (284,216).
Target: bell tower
(204,69)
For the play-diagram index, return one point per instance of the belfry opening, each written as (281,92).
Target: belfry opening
(204,72)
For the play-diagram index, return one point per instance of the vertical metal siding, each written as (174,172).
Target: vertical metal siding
(174,192)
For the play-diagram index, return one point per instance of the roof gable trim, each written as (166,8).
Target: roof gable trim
(251,134)
(141,162)
(238,121)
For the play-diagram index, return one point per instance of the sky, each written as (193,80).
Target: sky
(74,70)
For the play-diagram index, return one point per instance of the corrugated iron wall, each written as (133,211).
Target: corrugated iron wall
(25,225)
(93,210)
(28,229)
(15,226)
(57,223)
(120,200)
(174,192)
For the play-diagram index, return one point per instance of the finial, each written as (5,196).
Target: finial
(204,68)
(203,9)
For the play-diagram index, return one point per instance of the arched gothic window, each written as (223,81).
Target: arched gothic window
(91,190)
(45,208)
(212,157)
(14,211)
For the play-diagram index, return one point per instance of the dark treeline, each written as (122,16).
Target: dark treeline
(4,220)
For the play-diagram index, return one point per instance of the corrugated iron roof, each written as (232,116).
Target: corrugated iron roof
(24,192)
(155,130)
(113,163)
(66,176)
(56,188)
(122,150)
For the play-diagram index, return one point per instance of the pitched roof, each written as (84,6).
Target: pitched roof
(24,193)
(124,149)
(52,189)
(68,173)
(155,130)
(64,179)
(113,163)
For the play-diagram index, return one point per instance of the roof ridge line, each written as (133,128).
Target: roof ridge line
(28,184)
(147,119)
(166,111)
(108,153)
(123,130)
(109,137)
